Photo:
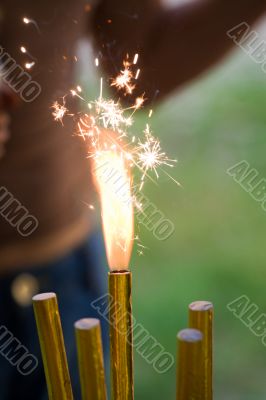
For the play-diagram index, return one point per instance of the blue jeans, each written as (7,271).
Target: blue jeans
(77,279)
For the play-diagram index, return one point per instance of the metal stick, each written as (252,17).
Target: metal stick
(189,364)
(201,318)
(120,315)
(90,358)
(52,346)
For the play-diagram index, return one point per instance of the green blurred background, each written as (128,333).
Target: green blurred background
(217,251)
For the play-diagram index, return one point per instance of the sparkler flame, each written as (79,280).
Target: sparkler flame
(117,214)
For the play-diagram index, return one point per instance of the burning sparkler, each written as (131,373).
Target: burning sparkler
(117,219)
(111,155)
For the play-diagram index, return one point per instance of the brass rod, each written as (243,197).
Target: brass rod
(90,359)
(189,364)
(201,318)
(120,318)
(52,346)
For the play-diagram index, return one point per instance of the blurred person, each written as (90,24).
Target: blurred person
(46,169)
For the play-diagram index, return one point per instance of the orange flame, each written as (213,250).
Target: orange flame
(113,182)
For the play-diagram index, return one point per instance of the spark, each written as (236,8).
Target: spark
(111,114)
(137,74)
(124,80)
(140,246)
(28,21)
(101,88)
(25,51)
(88,129)
(74,93)
(97,62)
(139,102)
(135,61)
(150,155)
(59,111)
(29,65)
(104,113)
(90,206)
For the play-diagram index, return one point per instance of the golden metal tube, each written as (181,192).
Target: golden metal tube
(189,364)
(90,358)
(201,318)
(120,318)
(52,346)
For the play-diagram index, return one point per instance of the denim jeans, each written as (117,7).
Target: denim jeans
(77,279)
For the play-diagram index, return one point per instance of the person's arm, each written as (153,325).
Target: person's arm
(175,45)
